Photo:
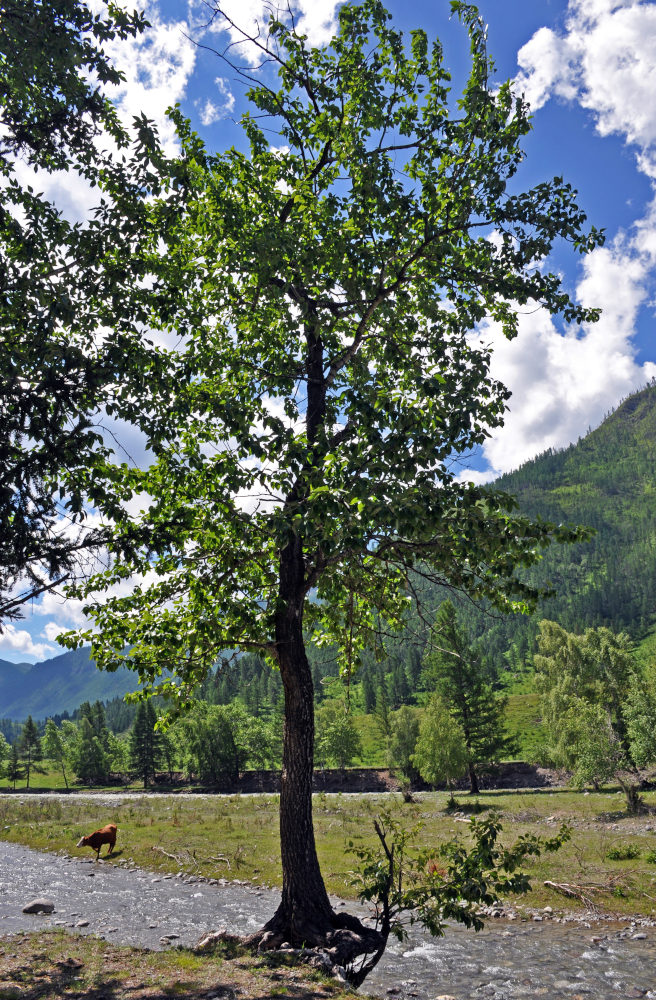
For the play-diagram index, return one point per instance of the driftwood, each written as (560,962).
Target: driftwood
(585,890)
(573,892)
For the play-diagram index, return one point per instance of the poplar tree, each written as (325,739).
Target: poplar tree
(315,290)
(54,747)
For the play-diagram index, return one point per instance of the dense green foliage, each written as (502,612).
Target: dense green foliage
(597,710)
(408,883)
(54,372)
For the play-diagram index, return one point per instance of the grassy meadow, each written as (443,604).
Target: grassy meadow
(611,858)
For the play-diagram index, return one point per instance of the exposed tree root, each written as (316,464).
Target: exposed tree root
(346,948)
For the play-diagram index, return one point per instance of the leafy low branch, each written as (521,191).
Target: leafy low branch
(410,884)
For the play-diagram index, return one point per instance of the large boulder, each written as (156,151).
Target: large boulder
(39,906)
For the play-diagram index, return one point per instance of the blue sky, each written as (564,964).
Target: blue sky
(588,68)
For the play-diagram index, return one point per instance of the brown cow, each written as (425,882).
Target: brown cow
(99,837)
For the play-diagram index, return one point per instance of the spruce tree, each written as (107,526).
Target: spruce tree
(29,748)
(15,770)
(455,671)
(145,744)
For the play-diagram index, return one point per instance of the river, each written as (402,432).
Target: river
(506,961)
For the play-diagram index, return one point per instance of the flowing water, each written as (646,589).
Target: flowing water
(504,962)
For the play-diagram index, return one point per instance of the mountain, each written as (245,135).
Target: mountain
(58,685)
(606,481)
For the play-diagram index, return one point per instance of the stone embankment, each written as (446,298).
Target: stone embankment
(510,774)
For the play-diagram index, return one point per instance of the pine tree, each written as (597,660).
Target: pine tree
(15,770)
(29,748)
(455,671)
(145,743)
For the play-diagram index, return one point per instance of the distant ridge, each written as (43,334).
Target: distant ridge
(58,685)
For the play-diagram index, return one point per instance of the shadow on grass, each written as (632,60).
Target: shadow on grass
(64,985)
(471,808)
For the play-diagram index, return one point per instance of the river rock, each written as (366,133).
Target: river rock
(40,905)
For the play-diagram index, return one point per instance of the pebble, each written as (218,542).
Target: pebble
(82,923)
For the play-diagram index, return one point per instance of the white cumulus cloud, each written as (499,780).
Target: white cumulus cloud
(564,382)
(16,640)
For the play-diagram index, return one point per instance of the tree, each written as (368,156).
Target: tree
(145,743)
(403,741)
(54,374)
(456,671)
(5,753)
(639,711)
(89,755)
(29,748)
(218,741)
(407,883)
(15,770)
(340,741)
(54,747)
(321,297)
(585,683)
(441,753)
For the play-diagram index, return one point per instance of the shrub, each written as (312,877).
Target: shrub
(626,852)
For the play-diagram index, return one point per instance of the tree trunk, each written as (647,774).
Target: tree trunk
(473,779)
(304,917)
(305,912)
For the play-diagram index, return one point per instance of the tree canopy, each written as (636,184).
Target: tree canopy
(54,369)
(316,375)
(598,711)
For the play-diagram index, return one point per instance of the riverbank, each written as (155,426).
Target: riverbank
(78,950)
(608,865)
(352,780)
(55,964)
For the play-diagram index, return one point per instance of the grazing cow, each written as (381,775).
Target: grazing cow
(99,837)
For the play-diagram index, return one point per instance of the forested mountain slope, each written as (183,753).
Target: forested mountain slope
(607,481)
(58,685)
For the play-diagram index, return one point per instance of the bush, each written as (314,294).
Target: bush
(626,852)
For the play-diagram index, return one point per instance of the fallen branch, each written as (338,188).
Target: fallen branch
(573,892)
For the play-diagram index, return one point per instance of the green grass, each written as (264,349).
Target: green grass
(523,723)
(236,837)
(38,967)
